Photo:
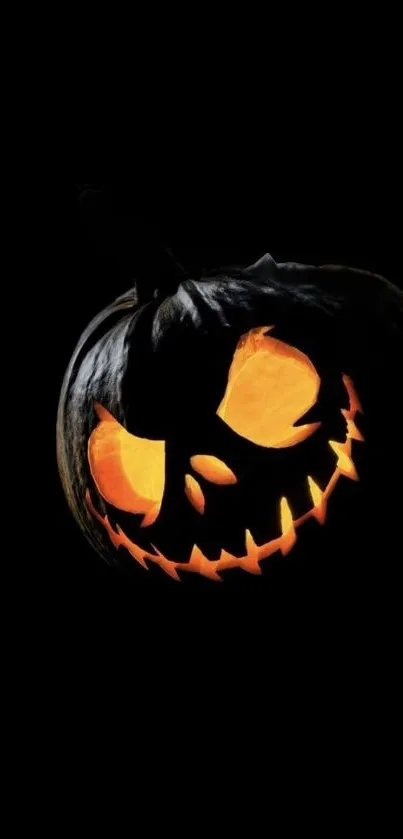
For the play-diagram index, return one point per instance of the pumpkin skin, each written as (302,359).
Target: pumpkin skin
(156,374)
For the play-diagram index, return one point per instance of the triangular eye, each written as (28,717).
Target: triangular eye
(270,386)
(129,471)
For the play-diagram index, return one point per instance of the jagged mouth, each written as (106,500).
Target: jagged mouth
(254,554)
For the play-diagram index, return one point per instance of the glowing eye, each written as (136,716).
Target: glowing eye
(270,386)
(129,471)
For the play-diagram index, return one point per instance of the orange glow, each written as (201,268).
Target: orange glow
(194,493)
(270,386)
(129,471)
(289,536)
(355,404)
(345,463)
(316,492)
(213,469)
(319,502)
(353,431)
(254,554)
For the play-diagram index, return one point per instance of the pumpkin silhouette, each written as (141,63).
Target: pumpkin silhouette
(200,430)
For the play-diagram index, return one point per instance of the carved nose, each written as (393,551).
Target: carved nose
(212,469)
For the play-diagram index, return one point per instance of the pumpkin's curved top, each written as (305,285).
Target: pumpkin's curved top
(343,318)
(286,288)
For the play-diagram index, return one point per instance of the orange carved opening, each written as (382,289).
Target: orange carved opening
(270,386)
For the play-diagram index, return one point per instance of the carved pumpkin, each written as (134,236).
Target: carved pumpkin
(200,431)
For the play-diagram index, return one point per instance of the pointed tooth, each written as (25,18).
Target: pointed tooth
(226,556)
(316,492)
(196,558)
(171,571)
(208,570)
(355,404)
(167,565)
(251,566)
(251,561)
(286,516)
(289,536)
(199,563)
(345,463)
(136,553)
(319,503)
(353,432)
(250,543)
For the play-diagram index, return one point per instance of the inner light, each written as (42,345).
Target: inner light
(287,527)
(254,554)
(213,469)
(270,386)
(194,493)
(129,471)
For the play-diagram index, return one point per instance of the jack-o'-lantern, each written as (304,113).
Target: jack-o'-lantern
(200,431)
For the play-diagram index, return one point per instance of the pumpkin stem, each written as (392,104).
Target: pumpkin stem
(161,277)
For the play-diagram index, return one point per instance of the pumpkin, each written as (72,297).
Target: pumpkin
(200,430)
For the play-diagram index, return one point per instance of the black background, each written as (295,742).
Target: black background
(108,236)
